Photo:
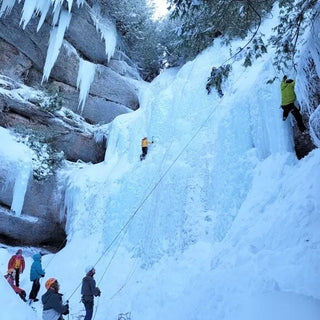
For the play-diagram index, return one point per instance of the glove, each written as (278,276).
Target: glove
(67,311)
(42,275)
(151,141)
(284,78)
(99,292)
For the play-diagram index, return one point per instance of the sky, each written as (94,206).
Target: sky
(161,8)
(220,221)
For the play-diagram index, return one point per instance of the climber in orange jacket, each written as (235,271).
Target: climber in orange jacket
(17,263)
(144,145)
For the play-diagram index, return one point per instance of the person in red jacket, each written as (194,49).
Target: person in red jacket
(17,263)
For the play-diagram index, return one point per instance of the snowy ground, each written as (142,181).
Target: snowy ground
(219,222)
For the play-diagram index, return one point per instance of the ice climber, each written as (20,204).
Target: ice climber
(144,146)
(215,80)
(17,263)
(10,278)
(53,308)
(288,98)
(89,291)
(36,272)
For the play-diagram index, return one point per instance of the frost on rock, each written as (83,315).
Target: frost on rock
(6,6)
(55,42)
(315,126)
(108,32)
(85,78)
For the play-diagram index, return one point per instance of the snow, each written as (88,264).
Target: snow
(55,42)
(220,221)
(85,78)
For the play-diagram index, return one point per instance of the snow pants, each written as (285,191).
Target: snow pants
(295,112)
(89,310)
(35,289)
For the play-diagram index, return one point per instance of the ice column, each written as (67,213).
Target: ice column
(55,42)
(85,78)
(20,186)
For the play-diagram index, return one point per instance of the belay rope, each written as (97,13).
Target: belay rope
(124,228)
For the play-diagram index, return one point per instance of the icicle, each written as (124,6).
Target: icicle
(108,33)
(6,6)
(27,12)
(55,42)
(42,8)
(85,78)
(70,5)
(20,187)
(56,13)
(56,4)
(80,3)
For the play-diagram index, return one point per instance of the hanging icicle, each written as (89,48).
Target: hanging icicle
(55,42)
(85,78)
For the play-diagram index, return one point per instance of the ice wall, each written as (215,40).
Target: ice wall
(16,158)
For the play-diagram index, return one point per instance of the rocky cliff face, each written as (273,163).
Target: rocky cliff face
(22,58)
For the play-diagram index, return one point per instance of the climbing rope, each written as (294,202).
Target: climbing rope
(252,37)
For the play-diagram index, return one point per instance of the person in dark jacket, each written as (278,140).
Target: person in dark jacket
(215,80)
(53,308)
(36,272)
(288,98)
(89,291)
(17,263)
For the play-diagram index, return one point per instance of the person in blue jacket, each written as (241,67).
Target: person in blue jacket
(36,272)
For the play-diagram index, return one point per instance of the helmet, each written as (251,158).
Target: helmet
(50,282)
(89,268)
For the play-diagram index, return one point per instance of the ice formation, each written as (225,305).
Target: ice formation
(85,78)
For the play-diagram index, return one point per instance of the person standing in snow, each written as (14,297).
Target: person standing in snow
(89,291)
(36,272)
(144,146)
(288,98)
(53,308)
(17,263)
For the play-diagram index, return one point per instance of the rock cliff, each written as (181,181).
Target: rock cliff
(23,54)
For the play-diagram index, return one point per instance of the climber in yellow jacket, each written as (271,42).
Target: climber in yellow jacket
(144,145)
(288,98)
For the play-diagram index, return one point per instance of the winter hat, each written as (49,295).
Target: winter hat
(50,282)
(88,269)
(19,251)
